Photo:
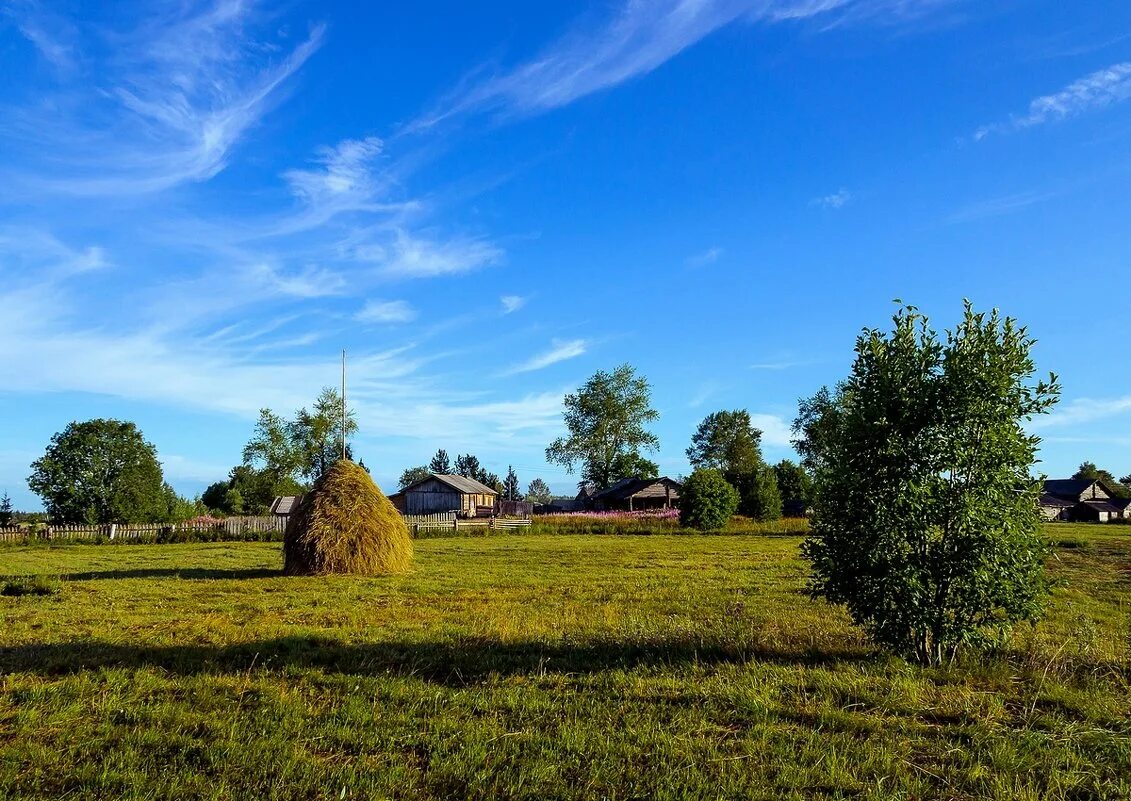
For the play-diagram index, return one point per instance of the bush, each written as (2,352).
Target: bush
(707,501)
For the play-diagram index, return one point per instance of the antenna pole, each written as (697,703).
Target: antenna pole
(343,404)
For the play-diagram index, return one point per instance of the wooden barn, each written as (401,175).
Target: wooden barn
(638,494)
(1082,500)
(444,493)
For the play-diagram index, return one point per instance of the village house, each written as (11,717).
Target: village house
(441,492)
(1082,500)
(637,494)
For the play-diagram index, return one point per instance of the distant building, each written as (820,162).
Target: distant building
(284,505)
(441,492)
(637,494)
(1082,500)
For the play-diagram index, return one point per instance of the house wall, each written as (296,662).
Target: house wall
(434,496)
(1094,492)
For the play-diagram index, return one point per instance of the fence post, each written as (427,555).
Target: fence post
(113,530)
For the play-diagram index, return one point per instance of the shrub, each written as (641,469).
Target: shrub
(707,501)
(346,525)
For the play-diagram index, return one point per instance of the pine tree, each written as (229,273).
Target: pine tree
(511,489)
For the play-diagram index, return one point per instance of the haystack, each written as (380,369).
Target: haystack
(346,525)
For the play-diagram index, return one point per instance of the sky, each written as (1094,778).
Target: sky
(203,203)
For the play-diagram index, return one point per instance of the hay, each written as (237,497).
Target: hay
(346,525)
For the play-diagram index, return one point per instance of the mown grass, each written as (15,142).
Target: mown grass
(540,667)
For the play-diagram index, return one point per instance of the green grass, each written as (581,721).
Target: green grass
(539,667)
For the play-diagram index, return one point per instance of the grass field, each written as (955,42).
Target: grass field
(539,666)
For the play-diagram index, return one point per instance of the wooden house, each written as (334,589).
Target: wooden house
(1082,500)
(442,492)
(638,494)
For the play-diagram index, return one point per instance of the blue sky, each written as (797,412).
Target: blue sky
(203,203)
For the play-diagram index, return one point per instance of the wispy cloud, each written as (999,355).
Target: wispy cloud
(998,206)
(180,93)
(779,365)
(560,351)
(635,40)
(1101,88)
(708,256)
(417,256)
(836,200)
(1084,410)
(387,312)
(512,303)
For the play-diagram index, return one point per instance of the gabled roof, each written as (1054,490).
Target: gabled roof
(627,487)
(285,504)
(1102,506)
(1068,487)
(1047,499)
(461,484)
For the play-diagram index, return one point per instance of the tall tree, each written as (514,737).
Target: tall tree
(539,492)
(5,510)
(316,435)
(100,471)
(794,483)
(607,422)
(511,489)
(273,448)
(468,466)
(412,475)
(1091,472)
(926,522)
(727,441)
(441,463)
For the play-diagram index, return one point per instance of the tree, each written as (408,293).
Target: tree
(707,501)
(100,471)
(511,489)
(468,466)
(1089,471)
(539,492)
(272,446)
(213,497)
(606,421)
(926,523)
(794,483)
(727,441)
(412,475)
(633,465)
(440,463)
(5,510)
(316,435)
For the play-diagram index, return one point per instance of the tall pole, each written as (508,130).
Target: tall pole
(343,404)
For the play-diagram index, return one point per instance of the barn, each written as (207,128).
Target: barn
(1082,500)
(638,494)
(441,492)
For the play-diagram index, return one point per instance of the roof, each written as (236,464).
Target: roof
(1103,506)
(285,504)
(628,487)
(1052,500)
(1068,487)
(461,484)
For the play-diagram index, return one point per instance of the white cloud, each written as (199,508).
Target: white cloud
(176,97)
(998,206)
(414,256)
(512,303)
(308,282)
(386,311)
(1099,89)
(782,365)
(559,351)
(636,39)
(708,256)
(776,431)
(1083,410)
(836,200)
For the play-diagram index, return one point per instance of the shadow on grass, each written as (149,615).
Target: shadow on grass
(456,662)
(175,572)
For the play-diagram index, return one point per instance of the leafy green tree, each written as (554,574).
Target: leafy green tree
(707,501)
(316,435)
(250,491)
(441,463)
(794,483)
(100,471)
(727,441)
(539,492)
(926,523)
(511,489)
(179,508)
(606,421)
(5,510)
(233,502)
(1089,471)
(633,465)
(214,496)
(272,449)
(412,475)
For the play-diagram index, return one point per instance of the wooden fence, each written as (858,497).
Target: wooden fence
(449,521)
(231,526)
